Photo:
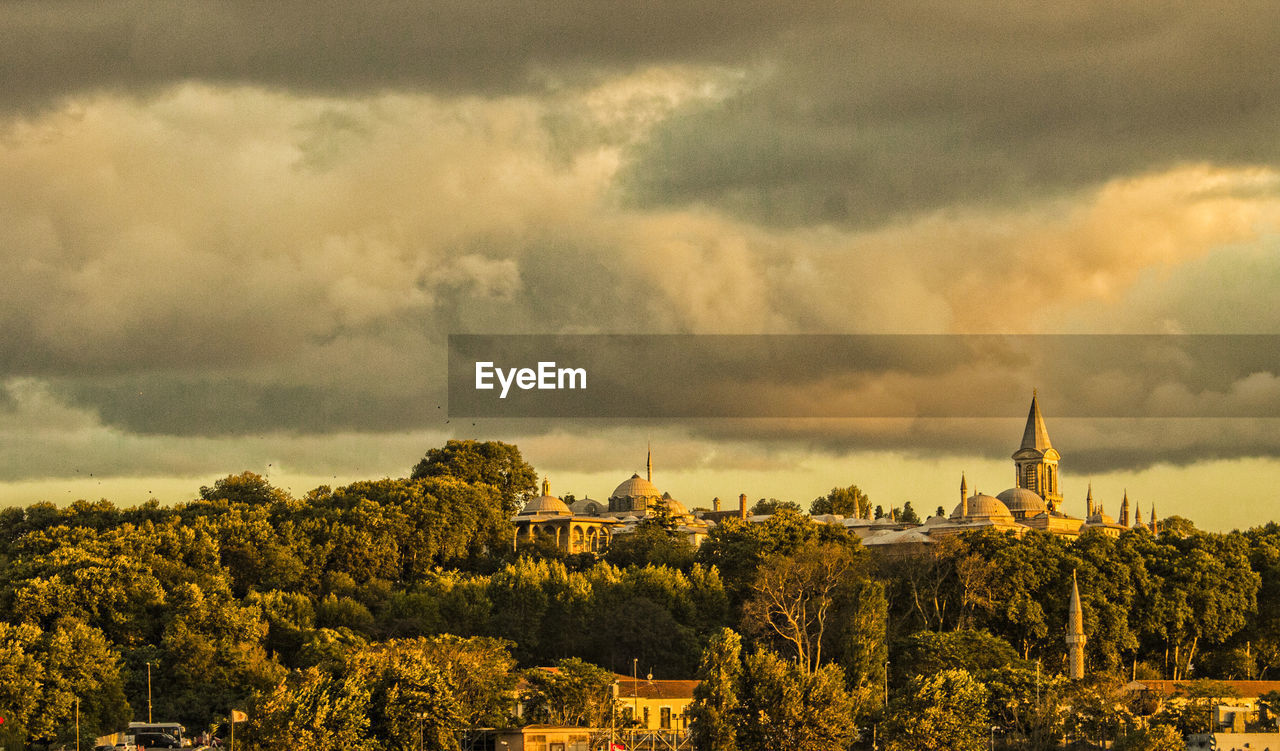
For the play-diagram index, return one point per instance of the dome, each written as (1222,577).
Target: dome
(636,487)
(675,507)
(1021,500)
(982,506)
(546,504)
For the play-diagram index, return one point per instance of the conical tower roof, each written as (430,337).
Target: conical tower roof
(1035,435)
(1075,616)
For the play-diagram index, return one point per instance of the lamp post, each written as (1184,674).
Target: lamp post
(149,719)
(422,716)
(77,723)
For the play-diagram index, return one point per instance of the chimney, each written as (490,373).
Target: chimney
(742,506)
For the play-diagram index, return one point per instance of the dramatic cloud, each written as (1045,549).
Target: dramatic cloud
(228,224)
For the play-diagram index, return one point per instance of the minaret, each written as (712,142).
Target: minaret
(648,464)
(1137,517)
(546,486)
(1124,510)
(1155,528)
(1075,633)
(964,497)
(1088,503)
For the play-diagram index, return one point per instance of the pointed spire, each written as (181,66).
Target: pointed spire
(648,463)
(1137,516)
(1075,616)
(1155,528)
(1035,435)
(964,497)
(1088,502)
(1075,633)
(1124,509)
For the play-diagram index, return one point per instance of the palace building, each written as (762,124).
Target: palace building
(1034,502)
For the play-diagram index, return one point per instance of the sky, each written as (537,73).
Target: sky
(235,235)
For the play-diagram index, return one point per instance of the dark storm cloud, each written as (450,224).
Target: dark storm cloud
(911,107)
(460,46)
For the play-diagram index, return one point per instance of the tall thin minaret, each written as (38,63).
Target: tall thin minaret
(648,464)
(1075,633)
(964,497)
(1088,503)
(1137,516)
(1155,528)
(1124,510)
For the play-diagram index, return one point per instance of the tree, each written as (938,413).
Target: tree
(794,595)
(432,688)
(849,502)
(490,462)
(1150,737)
(714,713)
(945,711)
(766,506)
(928,652)
(909,515)
(310,709)
(572,694)
(785,707)
(245,488)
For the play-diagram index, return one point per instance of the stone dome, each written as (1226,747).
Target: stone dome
(1020,500)
(675,507)
(546,504)
(982,506)
(636,487)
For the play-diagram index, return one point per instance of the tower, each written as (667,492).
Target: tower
(1036,460)
(1075,633)
(964,497)
(1124,510)
(648,464)
(1088,502)
(1137,516)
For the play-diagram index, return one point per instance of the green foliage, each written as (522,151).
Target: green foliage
(492,463)
(652,543)
(785,707)
(849,502)
(943,711)
(908,515)
(432,688)
(1152,737)
(714,713)
(766,506)
(928,652)
(572,694)
(311,709)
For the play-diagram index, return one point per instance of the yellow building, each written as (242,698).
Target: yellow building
(548,517)
(655,705)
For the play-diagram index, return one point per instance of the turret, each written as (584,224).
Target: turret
(964,497)
(1088,502)
(1124,510)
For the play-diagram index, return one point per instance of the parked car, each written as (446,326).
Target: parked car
(156,740)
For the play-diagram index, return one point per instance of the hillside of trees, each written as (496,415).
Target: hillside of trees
(365,614)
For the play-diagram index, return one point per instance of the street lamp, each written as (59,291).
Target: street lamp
(994,728)
(149,720)
(421,716)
